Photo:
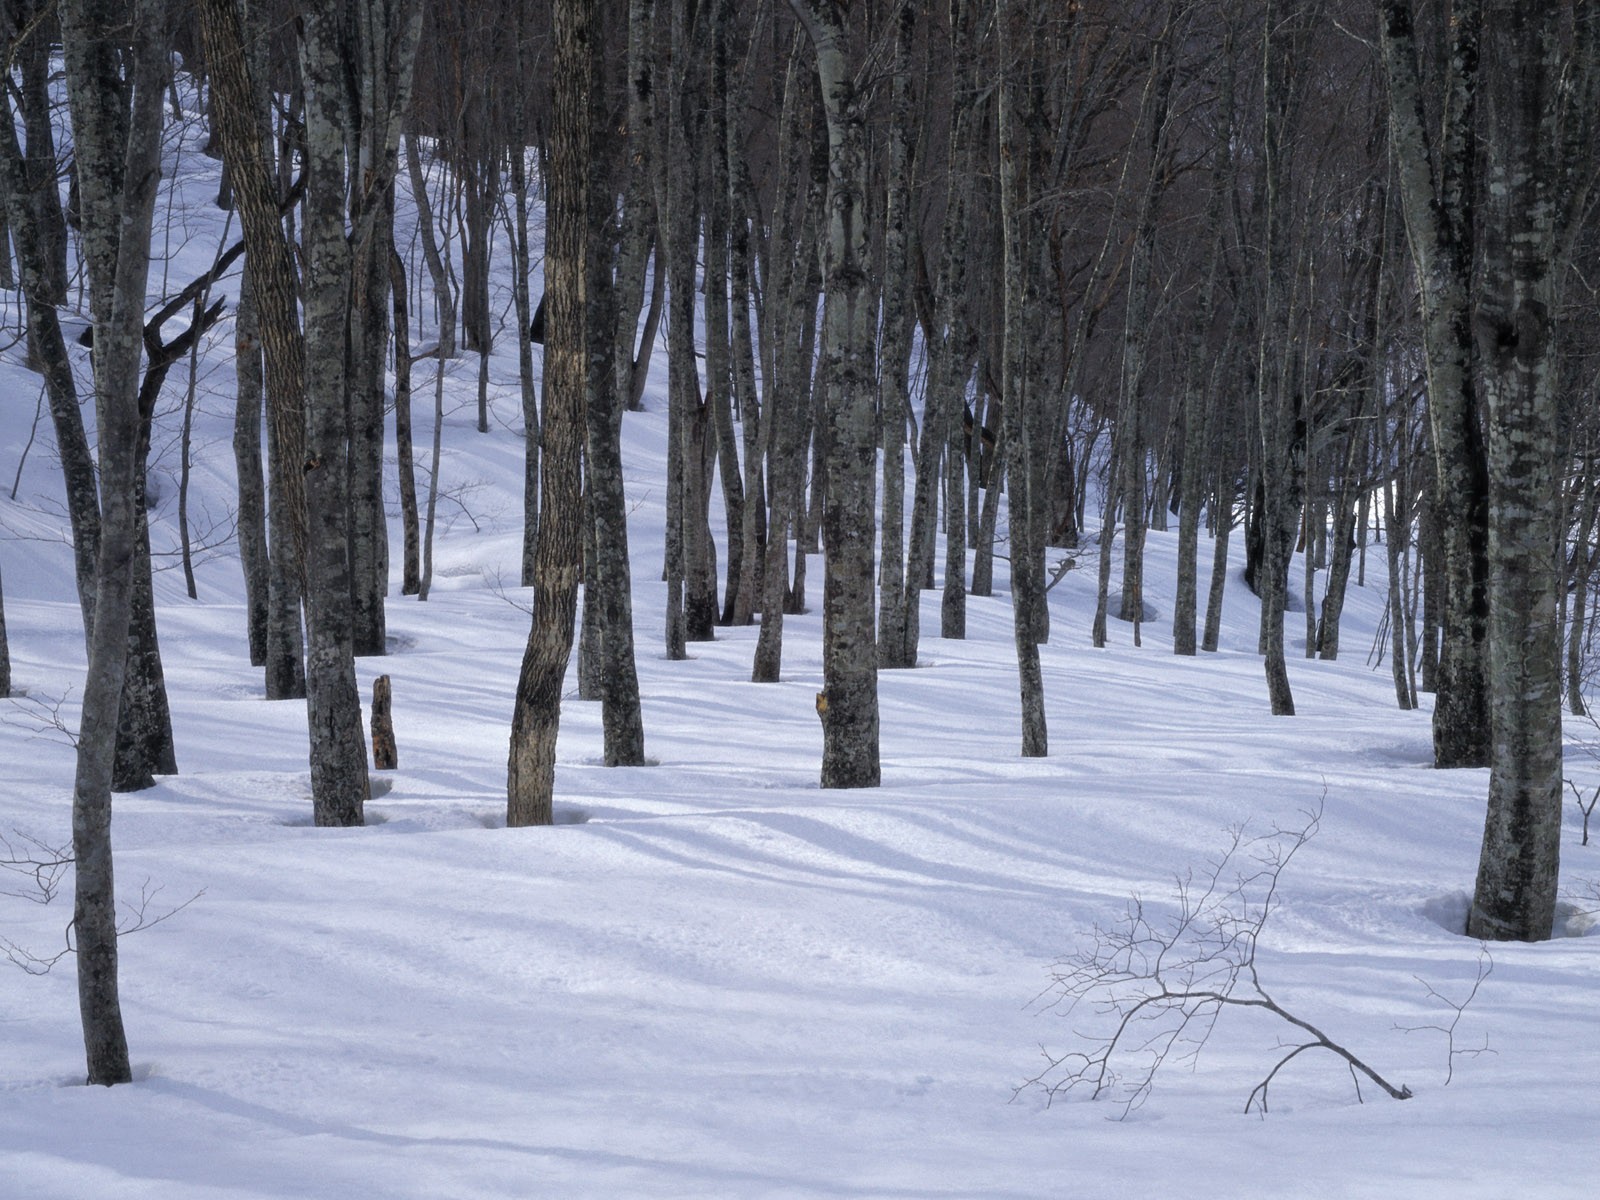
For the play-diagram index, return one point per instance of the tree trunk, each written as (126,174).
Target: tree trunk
(240,111)
(789,317)
(252,520)
(339,785)
(39,232)
(536,716)
(1015,194)
(611,582)
(1541,107)
(117,142)
(849,702)
(444,296)
(748,401)
(404,445)
(1437,193)
(938,415)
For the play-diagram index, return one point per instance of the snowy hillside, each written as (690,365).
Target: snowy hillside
(711,978)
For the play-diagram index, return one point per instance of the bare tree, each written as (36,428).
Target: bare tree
(1438,192)
(536,716)
(1542,85)
(240,111)
(849,703)
(116,121)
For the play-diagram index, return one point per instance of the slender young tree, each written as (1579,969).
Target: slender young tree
(1017,404)
(894,389)
(5,651)
(610,584)
(117,61)
(381,39)
(252,519)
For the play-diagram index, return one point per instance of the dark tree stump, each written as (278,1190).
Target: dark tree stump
(384,755)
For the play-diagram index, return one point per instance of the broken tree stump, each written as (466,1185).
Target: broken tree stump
(384,755)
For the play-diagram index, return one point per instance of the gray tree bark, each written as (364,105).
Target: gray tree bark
(1541,113)
(5,651)
(849,702)
(339,783)
(894,396)
(239,109)
(1437,189)
(611,582)
(788,320)
(946,341)
(252,519)
(117,139)
(404,440)
(536,714)
(1017,403)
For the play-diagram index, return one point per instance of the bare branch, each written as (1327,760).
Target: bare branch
(1485,968)
(1163,986)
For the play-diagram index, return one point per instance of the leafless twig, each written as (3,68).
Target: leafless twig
(1485,969)
(41,715)
(1161,985)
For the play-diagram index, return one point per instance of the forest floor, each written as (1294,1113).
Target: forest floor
(711,978)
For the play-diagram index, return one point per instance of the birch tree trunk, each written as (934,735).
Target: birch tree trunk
(741,258)
(1278,375)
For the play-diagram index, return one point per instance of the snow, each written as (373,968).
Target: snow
(711,978)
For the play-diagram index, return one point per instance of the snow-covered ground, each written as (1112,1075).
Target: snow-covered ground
(712,978)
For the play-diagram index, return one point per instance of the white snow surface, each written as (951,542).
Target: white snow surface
(712,978)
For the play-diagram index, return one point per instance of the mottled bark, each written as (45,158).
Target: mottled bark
(1131,424)
(247,461)
(536,715)
(240,114)
(1435,174)
(38,231)
(746,398)
(608,581)
(117,139)
(1015,194)
(848,704)
(942,407)
(1541,99)
(339,784)
(691,568)
(5,651)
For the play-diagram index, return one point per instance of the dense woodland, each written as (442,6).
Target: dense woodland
(1012,279)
